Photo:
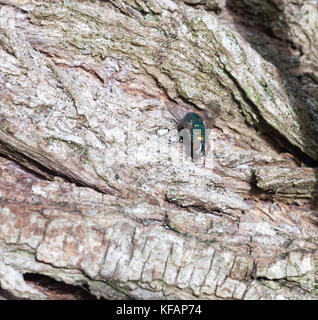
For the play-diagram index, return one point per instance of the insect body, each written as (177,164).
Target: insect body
(193,128)
(197,133)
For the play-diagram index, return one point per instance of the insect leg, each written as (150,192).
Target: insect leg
(191,133)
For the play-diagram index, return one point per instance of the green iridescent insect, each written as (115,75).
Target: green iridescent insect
(196,126)
(196,136)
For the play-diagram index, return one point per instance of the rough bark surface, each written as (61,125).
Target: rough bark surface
(88,196)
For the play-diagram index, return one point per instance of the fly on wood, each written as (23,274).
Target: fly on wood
(192,129)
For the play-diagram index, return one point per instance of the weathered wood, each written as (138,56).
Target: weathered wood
(85,93)
(293,183)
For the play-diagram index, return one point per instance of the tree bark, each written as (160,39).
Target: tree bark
(95,189)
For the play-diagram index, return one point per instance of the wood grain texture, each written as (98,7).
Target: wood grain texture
(94,189)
